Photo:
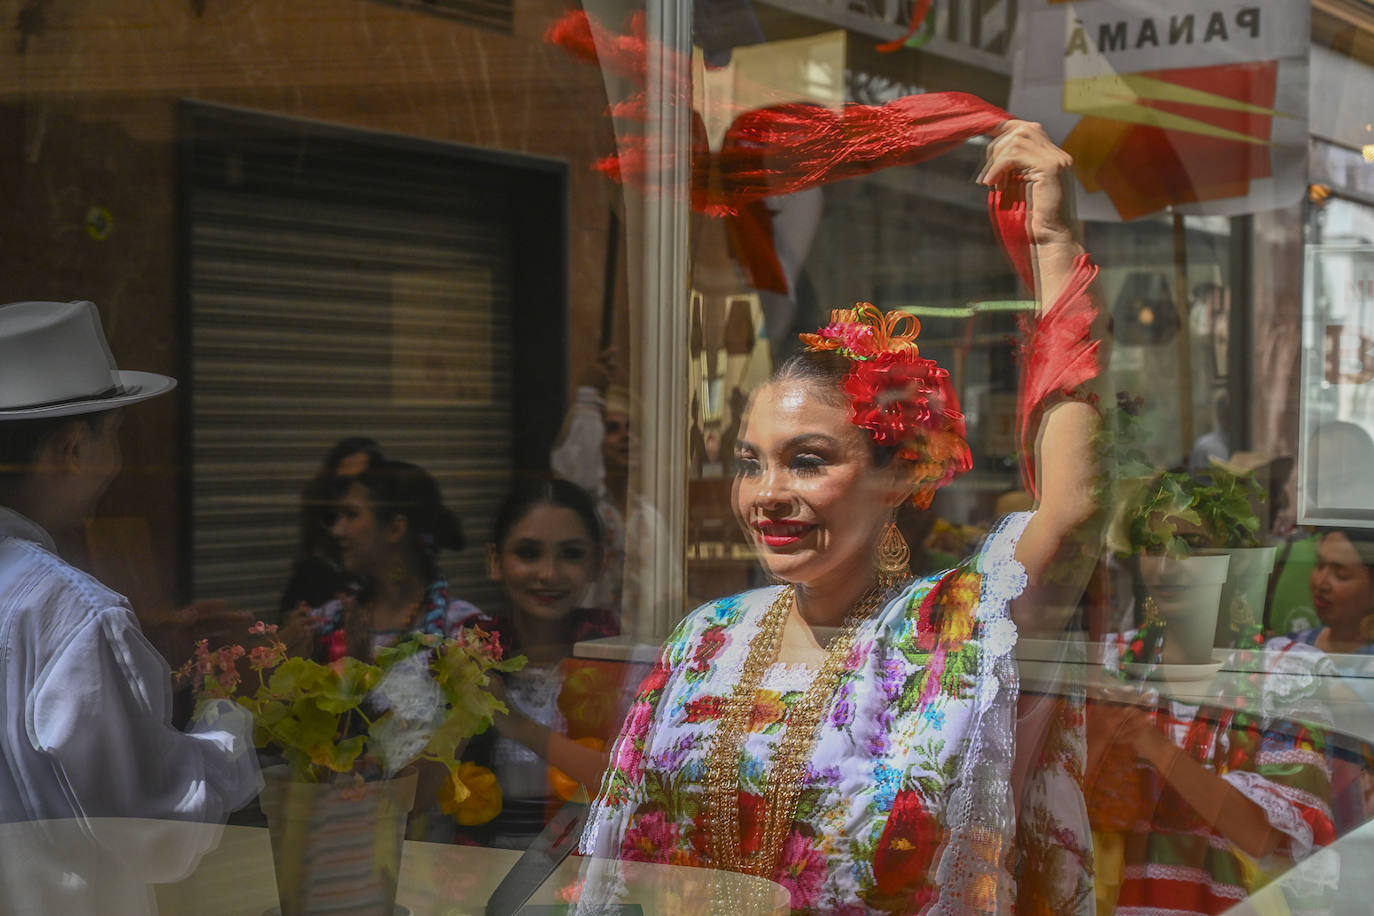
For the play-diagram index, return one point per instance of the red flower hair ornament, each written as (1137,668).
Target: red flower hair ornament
(903,400)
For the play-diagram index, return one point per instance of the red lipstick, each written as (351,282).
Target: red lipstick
(782,533)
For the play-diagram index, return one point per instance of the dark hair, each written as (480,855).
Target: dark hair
(22,440)
(1356,537)
(321,493)
(825,371)
(399,488)
(527,494)
(351,446)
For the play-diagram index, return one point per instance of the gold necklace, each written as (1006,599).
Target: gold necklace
(793,751)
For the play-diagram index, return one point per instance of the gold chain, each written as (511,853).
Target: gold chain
(793,751)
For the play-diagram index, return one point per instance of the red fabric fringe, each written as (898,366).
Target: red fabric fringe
(792,146)
(1058,357)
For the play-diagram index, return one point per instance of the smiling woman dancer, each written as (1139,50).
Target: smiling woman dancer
(868,770)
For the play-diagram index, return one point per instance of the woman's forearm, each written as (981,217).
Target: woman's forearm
(1059,547)
(581,763)
(1068,482)
(1215,800)
(1055,262)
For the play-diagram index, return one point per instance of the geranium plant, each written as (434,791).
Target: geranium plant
(1175,512)
(420,700)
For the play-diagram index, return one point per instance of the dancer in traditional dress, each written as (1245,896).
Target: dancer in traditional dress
(849,732)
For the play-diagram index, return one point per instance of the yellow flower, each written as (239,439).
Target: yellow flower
(472,795)
(768,708)
(958,626)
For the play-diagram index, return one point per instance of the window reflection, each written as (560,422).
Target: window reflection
(550,271)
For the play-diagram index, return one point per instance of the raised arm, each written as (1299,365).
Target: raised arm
(577,456)
(1062,371)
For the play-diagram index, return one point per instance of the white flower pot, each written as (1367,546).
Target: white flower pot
(1188,593)
(1247,580)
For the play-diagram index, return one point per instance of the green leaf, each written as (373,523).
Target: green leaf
(340,757)
(295,676)
(508,665)
(461,724)
(308,725)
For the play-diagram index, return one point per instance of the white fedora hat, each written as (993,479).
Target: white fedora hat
(54,362)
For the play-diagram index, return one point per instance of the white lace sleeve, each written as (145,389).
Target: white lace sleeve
(980,815)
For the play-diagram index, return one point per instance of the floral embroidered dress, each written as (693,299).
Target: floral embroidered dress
(437,614)
(1155,854)
(906,798)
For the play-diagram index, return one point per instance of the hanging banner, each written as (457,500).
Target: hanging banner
(1170,103)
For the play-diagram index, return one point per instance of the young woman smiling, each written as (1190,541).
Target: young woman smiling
(869,770)
(547,550)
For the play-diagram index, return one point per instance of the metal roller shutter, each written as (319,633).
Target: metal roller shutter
(333,293)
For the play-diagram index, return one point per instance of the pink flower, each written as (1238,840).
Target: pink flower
(204,665)
(224,661)
(264,657)
(855,338)
(631,757)
(935,669)
(651,838)
(801,870)
(857,654)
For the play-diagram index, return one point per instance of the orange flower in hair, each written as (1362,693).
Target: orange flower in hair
(901,399)
(864,332)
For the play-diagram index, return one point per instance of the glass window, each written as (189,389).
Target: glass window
(799,455)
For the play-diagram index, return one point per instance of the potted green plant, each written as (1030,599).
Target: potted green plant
(350,733)
(1192,539)
(1239,535)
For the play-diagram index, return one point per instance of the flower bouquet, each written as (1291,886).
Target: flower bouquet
(349,732)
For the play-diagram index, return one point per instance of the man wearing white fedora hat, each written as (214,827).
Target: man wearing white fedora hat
(84,697)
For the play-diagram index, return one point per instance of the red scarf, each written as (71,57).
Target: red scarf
(793,146)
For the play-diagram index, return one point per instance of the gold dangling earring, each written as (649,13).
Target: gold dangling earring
(1152,614)
(894,557)
(1241,616)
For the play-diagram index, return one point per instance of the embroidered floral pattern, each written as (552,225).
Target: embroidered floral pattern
(867,835)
